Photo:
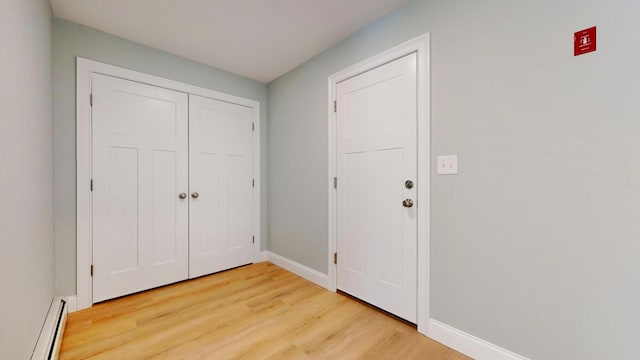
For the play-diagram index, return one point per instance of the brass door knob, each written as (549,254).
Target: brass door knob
(407,203)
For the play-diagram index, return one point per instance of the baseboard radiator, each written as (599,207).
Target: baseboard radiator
(48,345)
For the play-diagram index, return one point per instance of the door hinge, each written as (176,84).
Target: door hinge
(335,257)
(253,126)
(253,183)
(253,239)
(335,182)
(335,106)
(91,99)
(91,185)
(91,270)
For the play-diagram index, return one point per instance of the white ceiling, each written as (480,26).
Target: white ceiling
(259,39)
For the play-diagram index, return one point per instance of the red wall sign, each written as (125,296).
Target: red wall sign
(584,41)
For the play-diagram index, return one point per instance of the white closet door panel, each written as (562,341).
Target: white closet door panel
(140,165)
(221,173)
(212,231)
(240,201)
(138,116)
(123,211)
(163,207)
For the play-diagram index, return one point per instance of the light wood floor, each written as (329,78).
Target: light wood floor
(255,312)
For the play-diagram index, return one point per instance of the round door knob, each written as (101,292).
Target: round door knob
(407,203)
(195,195)
(182,196)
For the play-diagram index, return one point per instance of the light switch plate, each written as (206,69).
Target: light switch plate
(448,164)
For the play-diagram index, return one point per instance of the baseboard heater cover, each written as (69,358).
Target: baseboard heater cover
(48,345)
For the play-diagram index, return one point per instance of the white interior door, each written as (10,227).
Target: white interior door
(376,156)
(140,166)
(221,185)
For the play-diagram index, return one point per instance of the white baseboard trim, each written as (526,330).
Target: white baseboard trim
(468,344)
(72,303)
(303,271)
(262,256)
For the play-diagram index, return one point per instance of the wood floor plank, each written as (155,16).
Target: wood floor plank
(258,311)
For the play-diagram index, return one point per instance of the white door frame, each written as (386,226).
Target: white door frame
(419,45)
(84,230)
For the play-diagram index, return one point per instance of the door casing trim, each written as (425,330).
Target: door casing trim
(84,69)
(419,45)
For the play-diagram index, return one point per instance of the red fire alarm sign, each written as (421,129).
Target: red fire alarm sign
(584,41)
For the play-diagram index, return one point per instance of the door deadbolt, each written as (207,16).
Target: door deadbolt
(408,184)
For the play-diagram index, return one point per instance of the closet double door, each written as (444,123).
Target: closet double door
(172,188)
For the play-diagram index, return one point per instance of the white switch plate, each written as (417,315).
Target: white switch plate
(447,164)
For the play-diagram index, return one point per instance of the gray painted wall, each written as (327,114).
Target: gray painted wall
(71,40)
(26,174)
(535,244)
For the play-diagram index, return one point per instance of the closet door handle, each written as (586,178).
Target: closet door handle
(407,203)
(182,196)
(195,195)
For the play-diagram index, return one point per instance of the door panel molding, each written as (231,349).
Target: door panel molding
(84,70)
(420,46)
